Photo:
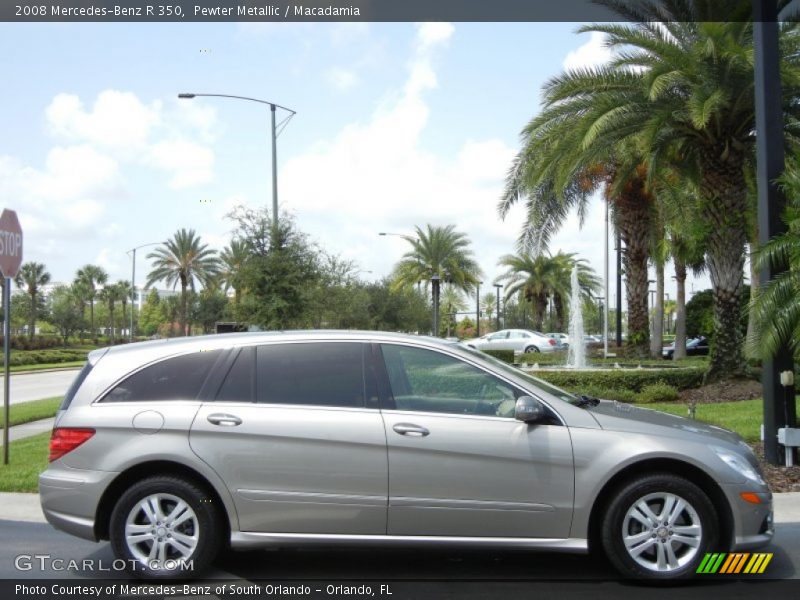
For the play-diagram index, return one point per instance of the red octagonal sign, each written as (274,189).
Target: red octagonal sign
(10,243)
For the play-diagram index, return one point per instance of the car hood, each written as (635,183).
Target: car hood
(619,416)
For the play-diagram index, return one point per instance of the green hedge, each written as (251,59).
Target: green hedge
(504,355)
(634,380)
(38,357)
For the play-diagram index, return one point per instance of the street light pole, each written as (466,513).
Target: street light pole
(132,251)
(273,107)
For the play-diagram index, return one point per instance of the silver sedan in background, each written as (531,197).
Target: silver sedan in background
(522,340)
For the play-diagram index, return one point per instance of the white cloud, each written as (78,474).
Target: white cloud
(190,164)
(342,79)
(126,129)
(379,175)
(118,120)
(591,54)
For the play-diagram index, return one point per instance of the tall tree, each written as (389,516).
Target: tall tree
(66,312)
(282,274)
(88,279)
(182,260)
(111,294)
(125,291)
(440,251)
(681,83)
(232,259)
(31,277)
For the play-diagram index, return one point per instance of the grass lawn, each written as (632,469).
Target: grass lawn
(27,458)
(32,411)
(743,417)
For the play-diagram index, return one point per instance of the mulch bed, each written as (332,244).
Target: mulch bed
(723,391)
(779,478)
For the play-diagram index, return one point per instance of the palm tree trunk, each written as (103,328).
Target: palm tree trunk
(91,317)
(540,305)
(658,316)
(111,319)
(182,317)
(558,303)
(33,316)
(633,215)
(725,195)
(680,310)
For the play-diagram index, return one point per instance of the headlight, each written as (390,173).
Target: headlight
(739,464)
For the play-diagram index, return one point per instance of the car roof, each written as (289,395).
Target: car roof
(179,345)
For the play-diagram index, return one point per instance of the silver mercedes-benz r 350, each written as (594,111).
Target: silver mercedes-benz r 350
(176,449)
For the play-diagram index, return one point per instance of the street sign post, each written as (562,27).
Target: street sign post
(10,260)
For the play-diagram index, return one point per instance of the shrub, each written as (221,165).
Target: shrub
(504,355)
(621,395)
(38,357)
(658,392)
(621,379)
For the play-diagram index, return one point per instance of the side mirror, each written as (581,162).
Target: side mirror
(528,409)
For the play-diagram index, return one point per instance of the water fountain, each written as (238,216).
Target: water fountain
(576,355)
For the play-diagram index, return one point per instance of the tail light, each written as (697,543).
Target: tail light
(552,342)
(66,439)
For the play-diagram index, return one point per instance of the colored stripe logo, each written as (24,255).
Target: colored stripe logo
(734,563)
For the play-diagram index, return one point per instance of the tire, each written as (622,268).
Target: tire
(530,349)
(657,549)
(191,542)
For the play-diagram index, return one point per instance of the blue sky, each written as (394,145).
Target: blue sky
(397,125)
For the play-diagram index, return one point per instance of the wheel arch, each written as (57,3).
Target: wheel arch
(662,465)
(142,471)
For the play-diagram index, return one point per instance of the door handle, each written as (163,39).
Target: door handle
(410,430)
(224,420)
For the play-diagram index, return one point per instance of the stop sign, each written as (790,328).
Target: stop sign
(10,243)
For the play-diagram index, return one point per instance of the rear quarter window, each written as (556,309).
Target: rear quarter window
(75,386)
(176,378)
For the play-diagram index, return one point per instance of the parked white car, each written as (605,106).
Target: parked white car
(514,339)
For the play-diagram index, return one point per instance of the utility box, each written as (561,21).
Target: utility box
(789,436)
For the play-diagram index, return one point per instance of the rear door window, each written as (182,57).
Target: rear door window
(177,378)
(317,374)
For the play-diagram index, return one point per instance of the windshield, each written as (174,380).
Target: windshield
(530,379)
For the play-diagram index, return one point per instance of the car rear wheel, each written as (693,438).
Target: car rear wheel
(531,349)
(165,526)
(659,527)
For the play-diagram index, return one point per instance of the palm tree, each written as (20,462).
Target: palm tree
(489,302)
(183,259)
(440,251)
(682,86)
(125,291)
(111,294)
(453,303)
(232,259)
(541,278)
(776,308)
(89,278)
(31,277)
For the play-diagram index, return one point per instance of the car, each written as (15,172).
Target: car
(520,340)
(176,450)
(562,339)
(694,347)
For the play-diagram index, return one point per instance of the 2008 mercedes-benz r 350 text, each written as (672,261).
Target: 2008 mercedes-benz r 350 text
(175,449)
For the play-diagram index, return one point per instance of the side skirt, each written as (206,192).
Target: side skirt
(243,540)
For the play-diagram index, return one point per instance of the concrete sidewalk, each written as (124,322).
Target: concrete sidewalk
(24,430)
(25,507)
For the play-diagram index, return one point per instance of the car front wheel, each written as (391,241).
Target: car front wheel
(165,526)
(659,527)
